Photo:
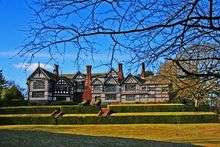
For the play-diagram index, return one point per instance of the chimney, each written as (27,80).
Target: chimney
(142,70)
(87,94)
(120,72)
(56,69)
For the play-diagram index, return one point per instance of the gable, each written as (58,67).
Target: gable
(61,81)
(97,82)
(38,74)
(112,73)
(111,80)
(79,77)
(131,79)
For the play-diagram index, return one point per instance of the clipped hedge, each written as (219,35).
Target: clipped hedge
(14,102)
(23,120)
(91,119)
(155,108)
(48,109)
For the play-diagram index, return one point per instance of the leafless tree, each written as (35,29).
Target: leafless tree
(144,30)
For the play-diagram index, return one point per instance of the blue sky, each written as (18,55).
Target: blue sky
(14,16)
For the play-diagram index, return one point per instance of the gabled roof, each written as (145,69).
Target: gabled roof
(77,74)
(111,77)
(47,73)
(96,79)
(112,70)
(99,75)
(136,78)
(68,81)
(69,76)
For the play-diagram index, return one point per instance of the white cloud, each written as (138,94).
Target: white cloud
(32,66)
(7,53)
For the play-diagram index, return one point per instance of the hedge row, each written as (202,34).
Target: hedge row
(29,103)
(110,119)
(48,109)
(13,103)
(155,108)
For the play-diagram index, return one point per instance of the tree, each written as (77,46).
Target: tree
(145,30)
(2,81)
(196,86)
(12,93)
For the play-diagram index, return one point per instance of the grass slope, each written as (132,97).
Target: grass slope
(199,134)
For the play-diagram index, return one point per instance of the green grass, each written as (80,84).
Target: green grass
(199,134)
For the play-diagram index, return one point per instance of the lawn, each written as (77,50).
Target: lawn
(199,134)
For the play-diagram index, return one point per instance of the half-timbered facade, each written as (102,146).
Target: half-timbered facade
(110,87)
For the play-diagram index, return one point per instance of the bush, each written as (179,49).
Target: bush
(12,93)
(110,119)
(47,109)
(48,103)
(155,108)
(13,102)
(21,120)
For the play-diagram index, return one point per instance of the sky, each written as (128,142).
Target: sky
(14,16)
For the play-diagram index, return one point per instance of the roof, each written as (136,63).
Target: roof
(66,79)
(69,76)
(50,74)
(104,76)
(99,75)
(137,78)
(47,73)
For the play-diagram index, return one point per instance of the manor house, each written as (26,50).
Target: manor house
(111,86)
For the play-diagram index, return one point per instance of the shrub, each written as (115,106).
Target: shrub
(155,108)
(91,119)
(21,120)
(11,93)
(13,102)
(47,109)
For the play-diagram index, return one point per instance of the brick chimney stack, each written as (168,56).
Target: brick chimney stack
(87,94)
(142,70)
(120,72)
(56,69)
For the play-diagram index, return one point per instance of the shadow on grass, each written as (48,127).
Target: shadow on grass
(45,139)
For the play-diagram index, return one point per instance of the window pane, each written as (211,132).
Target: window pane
(110,96)
(130,87)
(110,88)
(130,97)
(39,84)
(38,94)
(97,88)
